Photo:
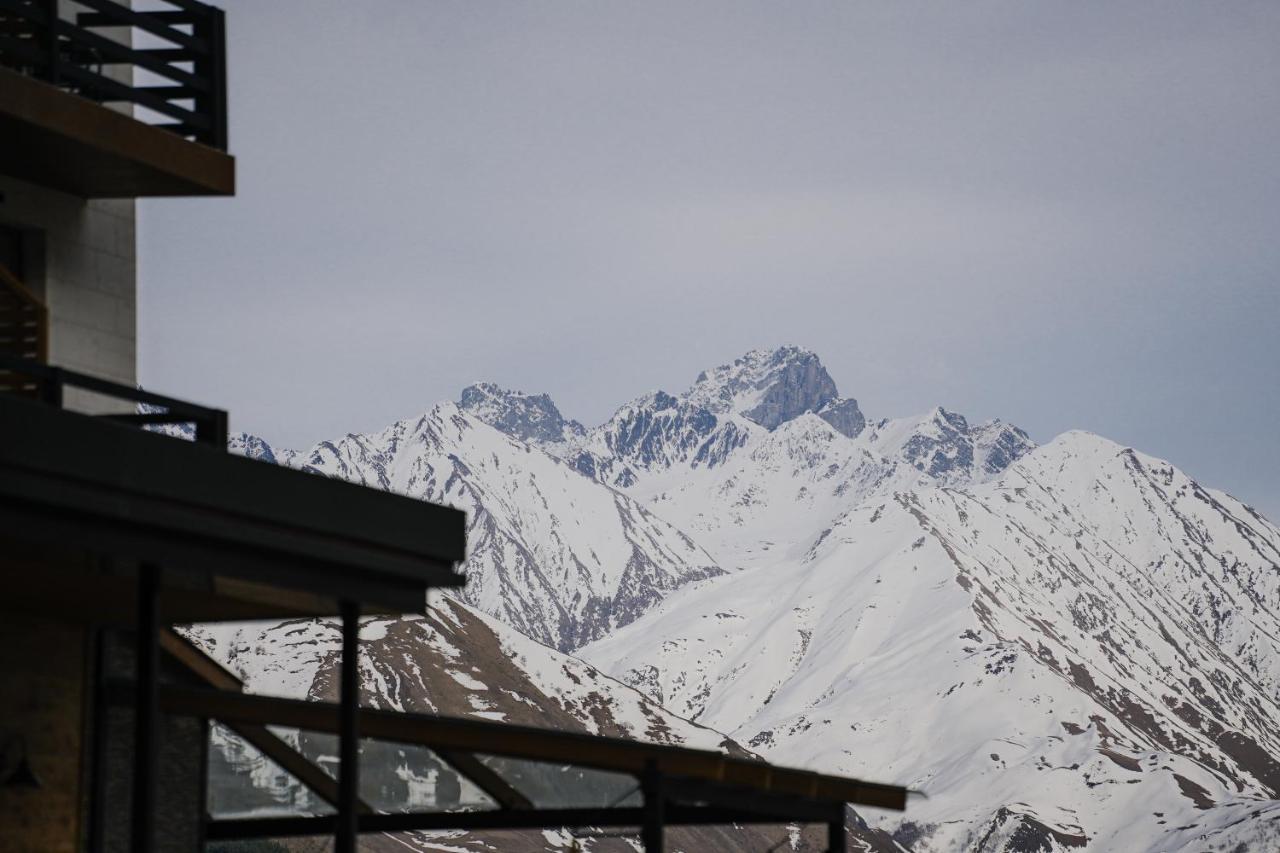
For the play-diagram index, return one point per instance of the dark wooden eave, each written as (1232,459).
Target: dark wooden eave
(69,143)
(106,490)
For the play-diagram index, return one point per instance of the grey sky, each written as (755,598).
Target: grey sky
(1063,215)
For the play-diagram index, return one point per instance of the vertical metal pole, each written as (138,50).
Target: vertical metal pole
(651,831)
(212,430)
(52,73)
(212,27)
(51,385)
(836,841)
(348,734)
(146,712)
(98,768)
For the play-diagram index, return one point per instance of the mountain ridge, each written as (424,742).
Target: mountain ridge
(1076,644)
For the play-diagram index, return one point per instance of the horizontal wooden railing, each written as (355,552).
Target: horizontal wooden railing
(87,46)
(24,331)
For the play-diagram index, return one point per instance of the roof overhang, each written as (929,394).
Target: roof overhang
(236,538)
(60,140)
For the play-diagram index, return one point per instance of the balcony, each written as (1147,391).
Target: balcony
(91,469)
(102,100)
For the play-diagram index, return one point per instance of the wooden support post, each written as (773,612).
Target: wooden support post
(654,817)
(836,840)
(347,829)
(146,714)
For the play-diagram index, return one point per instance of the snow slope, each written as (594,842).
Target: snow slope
(457,661)
(1082,652)
(1072,646)
(554,554)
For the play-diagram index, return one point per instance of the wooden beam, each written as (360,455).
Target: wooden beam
(594,818)
(260,737)
(486,779)
(486,738)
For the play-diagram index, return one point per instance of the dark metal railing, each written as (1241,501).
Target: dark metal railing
(88,47)
(45,382)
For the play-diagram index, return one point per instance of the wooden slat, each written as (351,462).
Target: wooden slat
(117,15)
(115,53)
(113,90)
(24,322)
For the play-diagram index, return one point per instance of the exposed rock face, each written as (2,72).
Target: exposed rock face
(769,387)
(944,446)
(527,417)
(845,416)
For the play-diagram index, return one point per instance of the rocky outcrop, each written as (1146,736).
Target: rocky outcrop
(768,387)
(527,417)
(845,416)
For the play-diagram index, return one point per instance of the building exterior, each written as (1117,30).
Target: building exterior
(111,533)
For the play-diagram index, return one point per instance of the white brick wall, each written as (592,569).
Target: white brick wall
(86,271)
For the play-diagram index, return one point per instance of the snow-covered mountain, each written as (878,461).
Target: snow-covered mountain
(558,556)
(1071,646)
(1084,652)
(760,454)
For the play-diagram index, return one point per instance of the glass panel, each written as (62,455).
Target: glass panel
(561,786)
(394,778)
(397,777)
(244,783)
(300,844)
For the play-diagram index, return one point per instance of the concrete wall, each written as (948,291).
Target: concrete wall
(180,762)
(81,258)
(42,664)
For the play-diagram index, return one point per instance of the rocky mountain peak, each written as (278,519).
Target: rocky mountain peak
(771,387)
(527,417)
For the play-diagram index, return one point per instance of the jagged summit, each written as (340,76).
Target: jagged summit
(771,387)
(528,417)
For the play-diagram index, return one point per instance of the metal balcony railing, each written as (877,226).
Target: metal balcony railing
(169,62)
(45,382)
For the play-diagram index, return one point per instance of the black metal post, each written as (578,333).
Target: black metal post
(654,818)
(348,827)
(146,713)
(213,429)
(98,769)
(836,840)
(51,46)
(211,26)
(51,387)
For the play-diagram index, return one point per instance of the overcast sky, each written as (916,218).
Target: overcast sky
(1066,215)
